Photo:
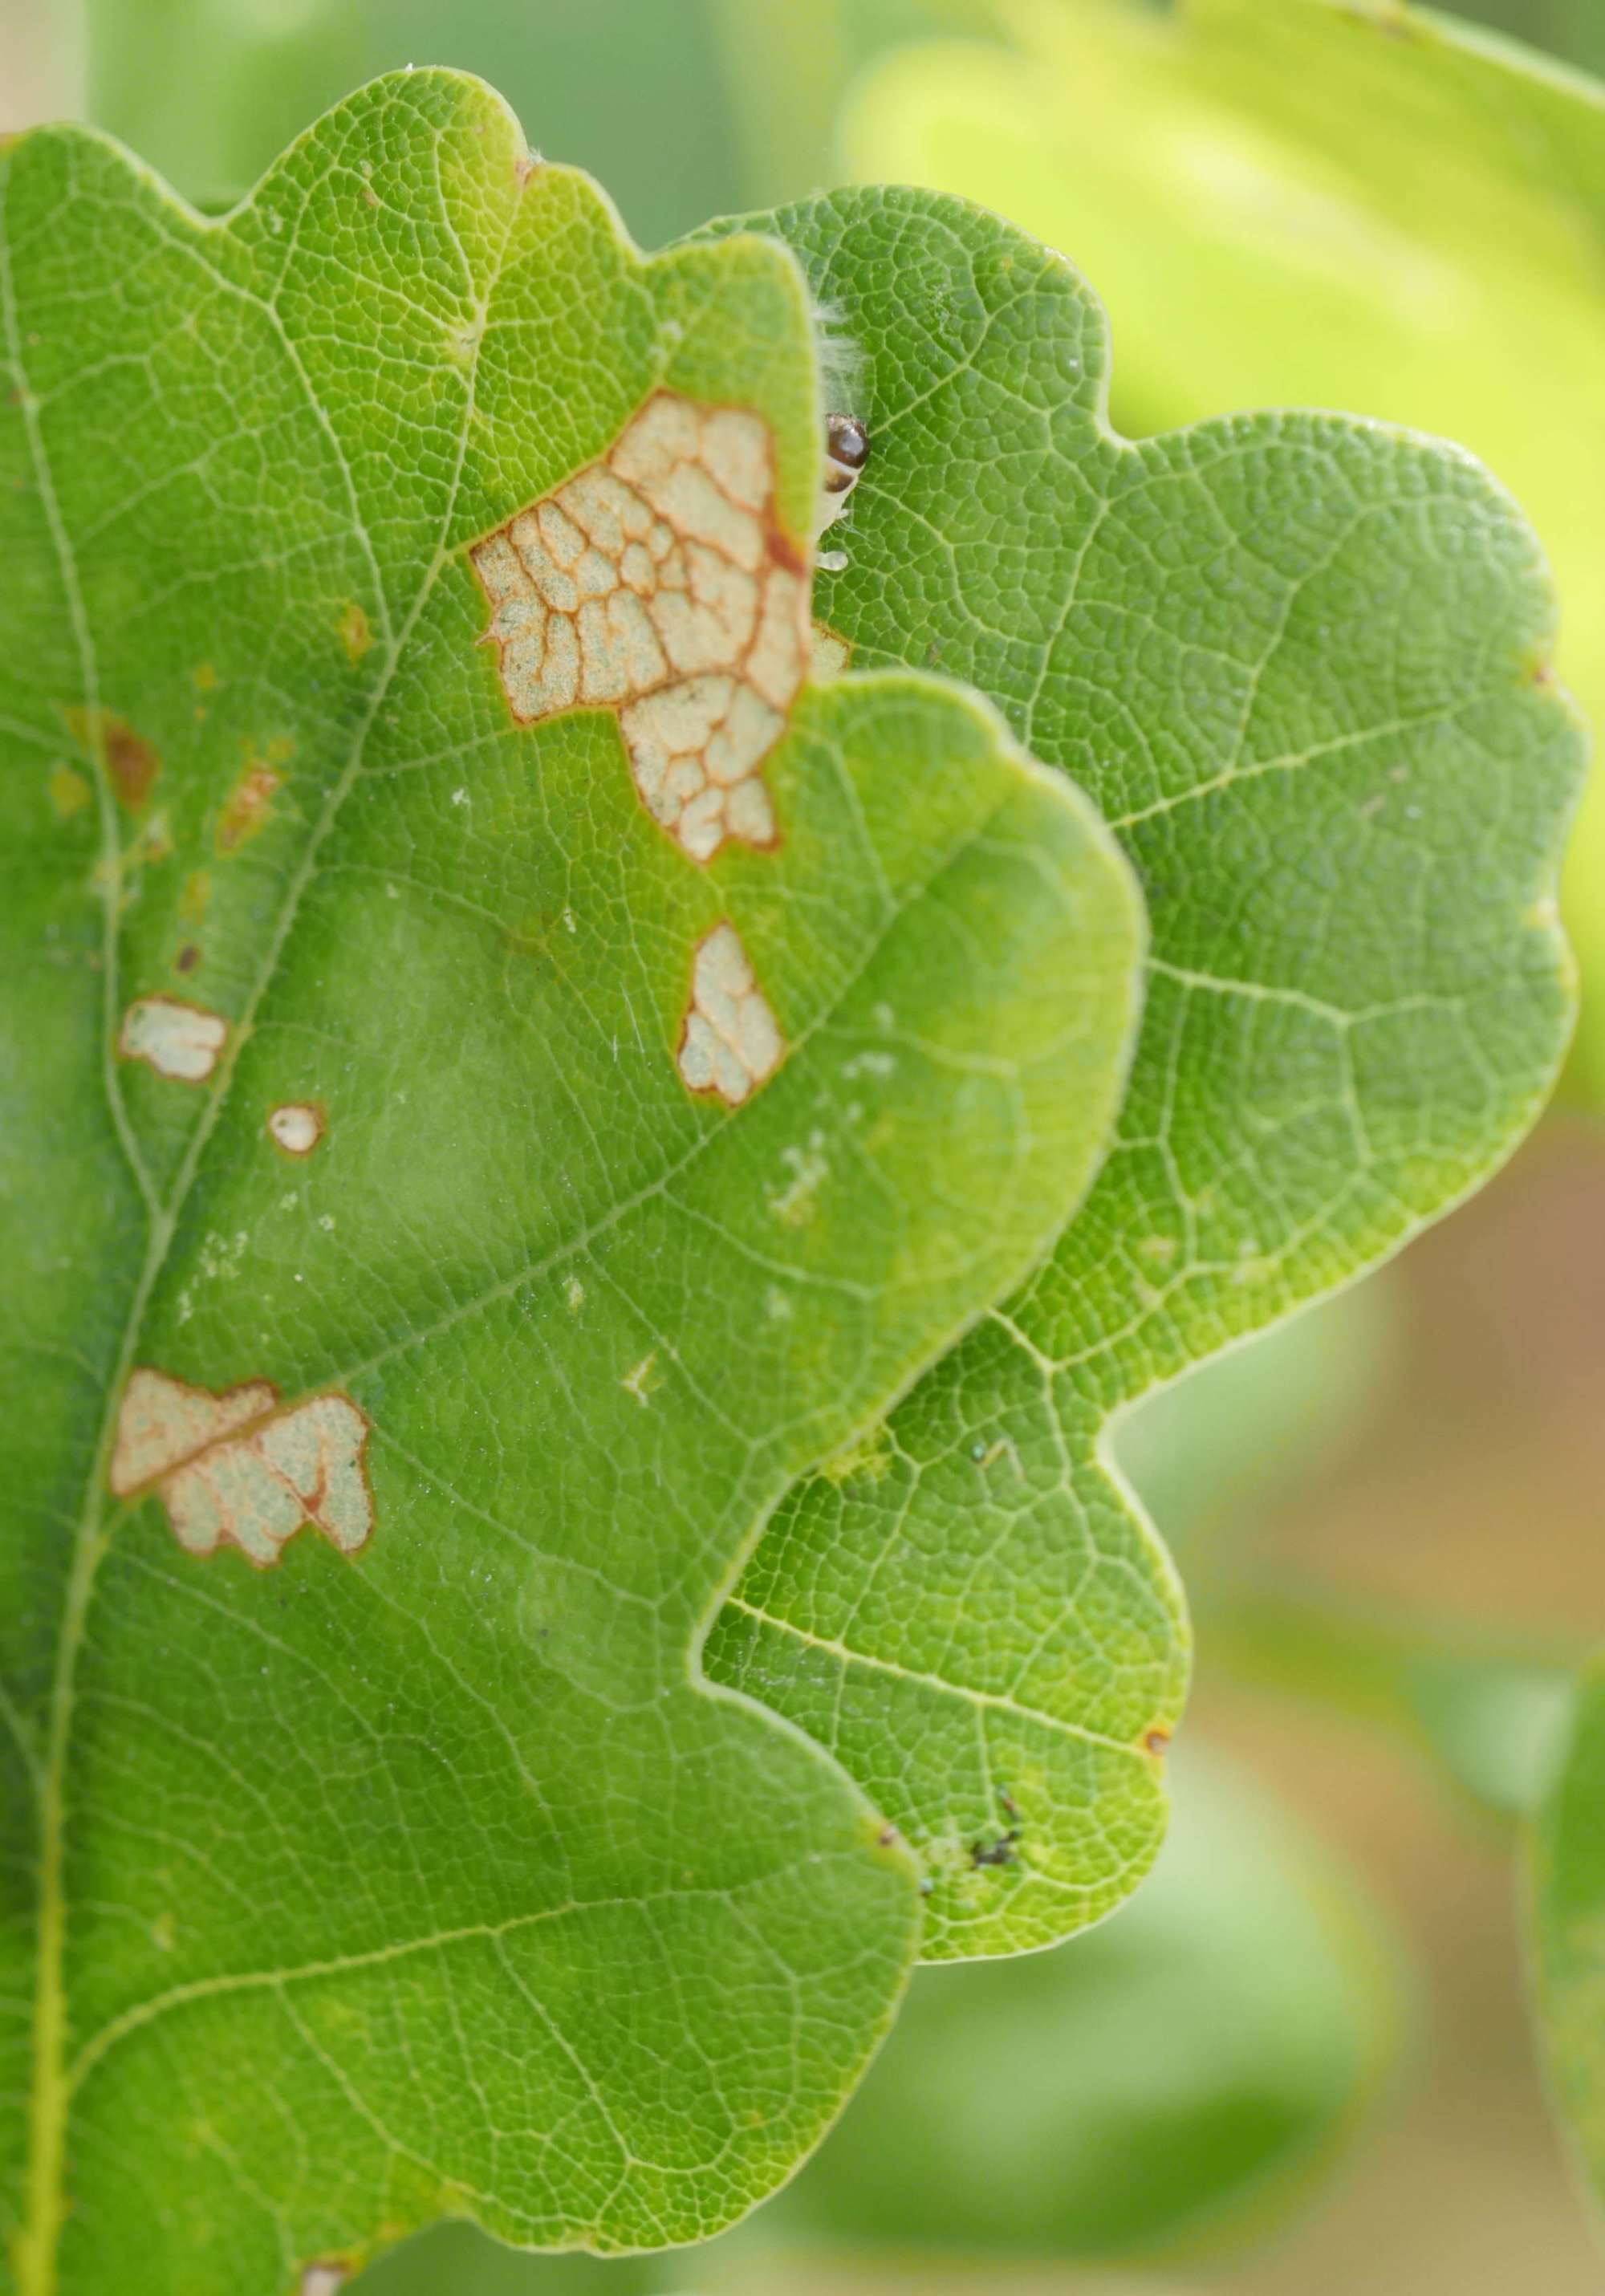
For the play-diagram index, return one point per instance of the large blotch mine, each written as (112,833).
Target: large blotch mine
(235,1467)
(658,582)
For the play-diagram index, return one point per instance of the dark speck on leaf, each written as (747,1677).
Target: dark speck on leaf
(1000,1852)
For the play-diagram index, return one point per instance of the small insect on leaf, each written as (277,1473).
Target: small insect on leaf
(846,451)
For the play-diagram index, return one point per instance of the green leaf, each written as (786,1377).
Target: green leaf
(1568,1900)
(369,1168)
(1301,663)
(1193,2065)
(1351,203)
(1188,2071)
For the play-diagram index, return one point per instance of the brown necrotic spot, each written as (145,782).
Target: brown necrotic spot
(237,1467)
(131,763)
(660,583)
(296,1126)
(829,653)
(177,1040)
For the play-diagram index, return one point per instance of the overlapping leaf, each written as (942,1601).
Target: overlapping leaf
(1355,203)
(1188,2071)
(352,1179)
(1301,664)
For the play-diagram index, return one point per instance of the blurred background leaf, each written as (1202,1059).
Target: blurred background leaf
(1210,1452)
(1568,1926)
(1490,1716)
(660,135)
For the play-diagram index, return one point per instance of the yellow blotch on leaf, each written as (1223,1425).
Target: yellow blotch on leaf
(354,631)
(70,792)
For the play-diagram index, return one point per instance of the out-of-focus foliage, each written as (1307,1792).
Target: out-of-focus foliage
(683,108)
(686,107)
(1208,1454)
(1489,1717)
(1287,200)
(458,2259)
(1572,29)
(1181,2064)
(1189,2065)
(209,90)
(1568,1917)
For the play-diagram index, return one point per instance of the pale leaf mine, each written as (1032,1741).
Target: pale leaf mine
(296,1127)
(175,1039)
(730,1042)
(236,1466)
(658,582)
(323,2280)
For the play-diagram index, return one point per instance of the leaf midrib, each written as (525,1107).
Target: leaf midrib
(56,2078)
(50,2093)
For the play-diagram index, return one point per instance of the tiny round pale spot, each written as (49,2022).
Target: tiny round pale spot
(296,1127)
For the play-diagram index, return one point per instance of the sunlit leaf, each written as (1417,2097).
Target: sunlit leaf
(1351,203)
(1301,662)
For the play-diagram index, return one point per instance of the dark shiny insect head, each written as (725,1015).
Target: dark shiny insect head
(846,451)
(846,442)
